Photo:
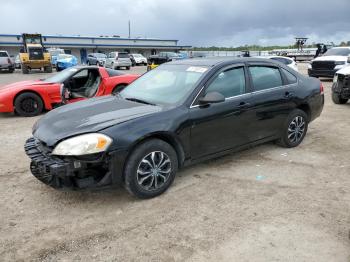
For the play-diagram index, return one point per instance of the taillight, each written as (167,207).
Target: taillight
(321,89)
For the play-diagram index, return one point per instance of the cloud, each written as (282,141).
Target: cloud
(196,22)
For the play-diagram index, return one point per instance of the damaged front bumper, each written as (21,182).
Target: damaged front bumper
(73,172)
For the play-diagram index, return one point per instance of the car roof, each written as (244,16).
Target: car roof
(213,61)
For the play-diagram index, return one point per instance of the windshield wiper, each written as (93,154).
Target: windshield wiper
(139,101)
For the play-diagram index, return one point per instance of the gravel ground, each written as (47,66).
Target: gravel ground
(263,204)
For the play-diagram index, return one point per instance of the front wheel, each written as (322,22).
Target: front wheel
(28,104)
(294,129)
(150,169)
(336,98)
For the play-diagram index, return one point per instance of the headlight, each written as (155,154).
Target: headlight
(339,62)
(83,145)
(335,78)
(309,65)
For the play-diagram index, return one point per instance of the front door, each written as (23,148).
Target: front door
(222,126)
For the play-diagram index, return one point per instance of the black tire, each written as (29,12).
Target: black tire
(28,104)
(338,100)
(25,69)
(48,69)
(128,68)
(134,165)
(88,63)
(293,134)
(58,69)
(11,70)
(118,89)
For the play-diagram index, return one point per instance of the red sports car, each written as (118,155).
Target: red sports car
(30,98)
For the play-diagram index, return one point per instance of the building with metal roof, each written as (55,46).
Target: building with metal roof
(80,46)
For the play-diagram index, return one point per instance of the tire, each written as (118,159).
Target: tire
(128,68)
(25,69)
(11,70)
(338,100)
(294,129)
(48,69)
(28,104)
(118,89)
(58,69)
(139,179)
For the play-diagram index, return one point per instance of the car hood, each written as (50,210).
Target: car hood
(331,58)
(344,71)
(88,116)
(22,84)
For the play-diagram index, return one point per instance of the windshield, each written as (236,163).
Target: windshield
(61,76)
(63,56)
(123,55)
(167,84)
(56,52)
(338,51)
(137,55)
(100,55)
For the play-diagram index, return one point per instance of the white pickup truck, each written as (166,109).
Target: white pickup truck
(6,62)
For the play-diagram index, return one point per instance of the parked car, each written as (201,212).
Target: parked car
(116,60)
(32,97)
(55,52)
(139,59)
(330,62)
(5,62)
(98,59)
(285,60)
(17,62)
(163,57)
(180,113)
(65,61)
(341,86)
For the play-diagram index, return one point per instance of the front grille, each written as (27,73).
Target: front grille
(36,54)
(323,65)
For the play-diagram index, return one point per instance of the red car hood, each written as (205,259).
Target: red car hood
(22,84)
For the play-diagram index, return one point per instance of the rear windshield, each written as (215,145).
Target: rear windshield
(3,54)
(123,55)
(338,51)
(112,72)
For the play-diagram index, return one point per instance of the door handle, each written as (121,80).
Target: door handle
(288,95)
(243,105)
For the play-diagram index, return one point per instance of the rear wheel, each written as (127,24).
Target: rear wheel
(25,69)
(128,68)
(48,69)
(150,169)
(28,104)
(11,70)
(336,98)
(294,129)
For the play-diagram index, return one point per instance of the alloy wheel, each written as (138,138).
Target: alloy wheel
(296,129)
(29,105)
(154,171)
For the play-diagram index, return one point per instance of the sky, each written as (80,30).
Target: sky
(193,22)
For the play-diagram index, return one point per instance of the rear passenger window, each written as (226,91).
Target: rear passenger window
(265,77)
(229,83)
(291,79)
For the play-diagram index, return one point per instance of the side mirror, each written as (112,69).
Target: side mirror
(211,98)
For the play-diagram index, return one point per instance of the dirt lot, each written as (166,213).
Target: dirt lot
(263,204)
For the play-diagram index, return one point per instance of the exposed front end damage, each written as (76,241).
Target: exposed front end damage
(73,173)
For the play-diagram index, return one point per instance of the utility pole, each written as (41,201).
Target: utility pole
(129,30)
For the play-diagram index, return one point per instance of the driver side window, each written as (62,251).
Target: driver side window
(229,83)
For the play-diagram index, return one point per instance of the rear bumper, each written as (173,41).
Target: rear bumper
(322,73)
(120,63)
(74,173)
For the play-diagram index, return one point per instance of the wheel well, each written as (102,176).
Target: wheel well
(166,138)
(28,91)
(306,109)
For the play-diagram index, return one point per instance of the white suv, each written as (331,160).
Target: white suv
(115,60)
(330,62)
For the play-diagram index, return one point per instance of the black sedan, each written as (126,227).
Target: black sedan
(178,114)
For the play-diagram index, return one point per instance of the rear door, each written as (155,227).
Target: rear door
(273,99)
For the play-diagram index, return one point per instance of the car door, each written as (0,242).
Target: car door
(272,99)
(109,59)
(219,127)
